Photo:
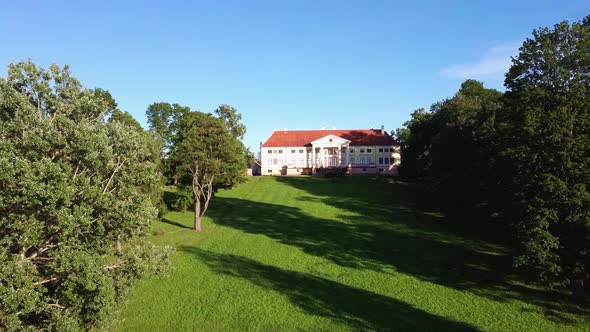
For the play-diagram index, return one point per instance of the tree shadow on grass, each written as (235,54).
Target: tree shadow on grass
(386,233)
(359,309)
(173,223)
(449,252)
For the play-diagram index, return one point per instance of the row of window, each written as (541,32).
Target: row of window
(301,161)
(352,150)
(369,160)
(370,150)
(281,151)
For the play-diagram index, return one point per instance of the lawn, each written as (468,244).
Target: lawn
(354,253)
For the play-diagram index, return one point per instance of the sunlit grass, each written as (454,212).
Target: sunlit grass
(299,253)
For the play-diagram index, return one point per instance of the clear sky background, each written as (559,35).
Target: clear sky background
(282,64)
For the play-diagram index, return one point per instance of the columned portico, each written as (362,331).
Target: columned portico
(330,152)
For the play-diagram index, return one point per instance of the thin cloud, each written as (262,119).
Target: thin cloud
(494,64)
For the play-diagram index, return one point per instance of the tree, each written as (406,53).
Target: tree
(249,158)
(164,120)
(233,122)
(232,119)
(75,202)
(206,157)
(416,140)
(546,129)
(453,146)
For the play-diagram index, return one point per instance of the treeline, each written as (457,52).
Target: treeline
(80,185)
(521,158)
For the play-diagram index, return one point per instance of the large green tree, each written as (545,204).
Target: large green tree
(546,129)
(75,202)
(232,119)
(164,120)
(206,157)
(453,146)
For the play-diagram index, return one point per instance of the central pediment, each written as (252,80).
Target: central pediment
(330,140)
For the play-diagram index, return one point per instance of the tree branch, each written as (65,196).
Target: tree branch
(41,282)
(117,168)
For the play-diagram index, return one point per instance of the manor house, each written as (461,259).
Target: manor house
(291,152)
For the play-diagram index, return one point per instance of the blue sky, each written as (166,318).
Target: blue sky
(282,64)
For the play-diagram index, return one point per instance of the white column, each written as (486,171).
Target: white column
(313,165)
(322,156)
(347,155)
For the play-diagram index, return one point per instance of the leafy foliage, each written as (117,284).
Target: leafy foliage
(547,134)
(232,120)
(524,155)
(454,145)
(76,199)
(206,157)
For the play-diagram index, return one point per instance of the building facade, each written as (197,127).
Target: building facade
(361,151)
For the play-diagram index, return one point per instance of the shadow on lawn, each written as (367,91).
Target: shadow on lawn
(174,223)
(357,308)
(387,231)
(449,252)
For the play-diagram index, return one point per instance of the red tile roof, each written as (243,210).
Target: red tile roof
(305,137)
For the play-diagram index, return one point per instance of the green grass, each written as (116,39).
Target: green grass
(300,253)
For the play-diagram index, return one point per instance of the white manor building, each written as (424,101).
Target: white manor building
(291,152)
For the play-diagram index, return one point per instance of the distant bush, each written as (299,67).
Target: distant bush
(183,200)
(334,172)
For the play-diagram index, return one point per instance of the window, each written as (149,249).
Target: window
(292,151)
(274,161)
(380,161)
(301,162)
(270,170)
(380,149)
(269,151)
(386,149)
(280,161)
(386,161)
(362,160)
(351,150)
(280,151)
(369,160)
(293,161)
(269,162)
(369,150)
(362,150)
(352,160)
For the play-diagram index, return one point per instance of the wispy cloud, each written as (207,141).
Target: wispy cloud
(493,64)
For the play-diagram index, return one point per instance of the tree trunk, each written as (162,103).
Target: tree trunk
(579,291)
(197,196)
(197,226)
(118,246)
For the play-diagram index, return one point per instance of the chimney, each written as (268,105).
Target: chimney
(382,129)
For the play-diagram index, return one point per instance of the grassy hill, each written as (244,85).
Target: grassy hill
(300,253)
